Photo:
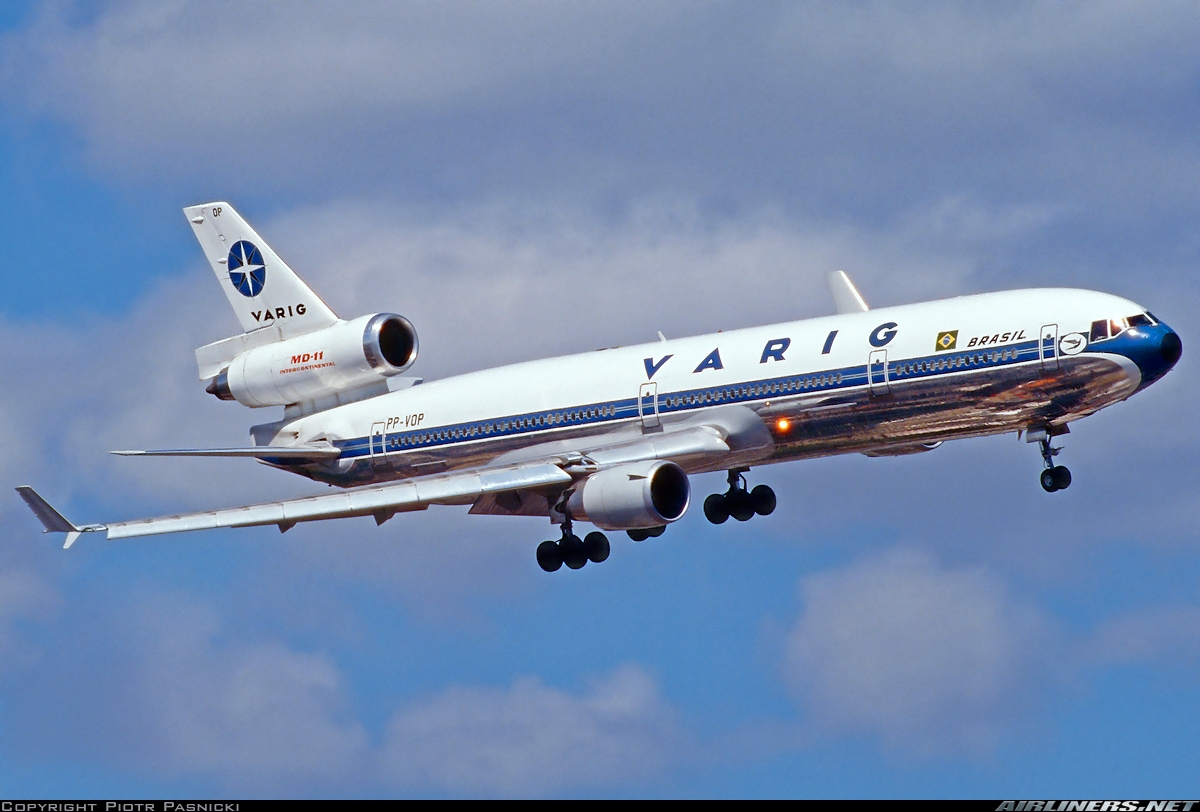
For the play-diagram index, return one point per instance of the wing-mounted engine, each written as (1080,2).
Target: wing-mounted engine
(633,496)
(349,355)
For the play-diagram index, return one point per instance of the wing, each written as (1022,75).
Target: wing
(730,434)
(380,501)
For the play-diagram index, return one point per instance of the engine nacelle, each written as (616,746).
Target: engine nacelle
(347,355)
(632,496)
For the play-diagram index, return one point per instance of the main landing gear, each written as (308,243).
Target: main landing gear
(643,533)
(737,502)
(571,550)
(1054,477)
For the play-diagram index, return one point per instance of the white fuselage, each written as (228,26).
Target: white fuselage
(877,381)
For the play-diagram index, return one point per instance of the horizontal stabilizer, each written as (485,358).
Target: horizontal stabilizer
(324,451)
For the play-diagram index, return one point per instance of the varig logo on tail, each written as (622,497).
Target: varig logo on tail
(246,269)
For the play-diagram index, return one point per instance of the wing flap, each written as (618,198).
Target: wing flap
(377,499)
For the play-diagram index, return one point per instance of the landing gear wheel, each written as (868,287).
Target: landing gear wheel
(763,499)
(737,502)
(1047,480)
(655,532)
(596,546)
(638,534)
(741,506)
(715,509)
(574,555)
(1054,477)
(549,556)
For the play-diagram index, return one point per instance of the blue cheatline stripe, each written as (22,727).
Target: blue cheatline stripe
(929,366)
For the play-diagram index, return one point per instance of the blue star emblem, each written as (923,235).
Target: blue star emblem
(246,269)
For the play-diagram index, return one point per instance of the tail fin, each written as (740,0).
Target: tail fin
(262,290)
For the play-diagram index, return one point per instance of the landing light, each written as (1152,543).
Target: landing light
(783,424)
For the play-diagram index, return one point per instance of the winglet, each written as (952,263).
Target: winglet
(845,297)
(51,519)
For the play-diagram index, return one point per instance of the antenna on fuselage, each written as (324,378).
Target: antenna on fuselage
(846,297)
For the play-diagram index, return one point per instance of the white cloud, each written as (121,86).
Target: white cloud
(531,739)
(928,658)
(260,714)
(153,73)
(514,280)
(870,106)
(163,686)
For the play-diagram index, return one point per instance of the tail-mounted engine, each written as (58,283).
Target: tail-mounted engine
(348,355)
(628,497)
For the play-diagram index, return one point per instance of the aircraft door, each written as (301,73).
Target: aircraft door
(1048,347)
(648,405)
(877,373)
(378,445)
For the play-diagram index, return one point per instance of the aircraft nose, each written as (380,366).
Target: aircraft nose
(1171,347)
(1158,349)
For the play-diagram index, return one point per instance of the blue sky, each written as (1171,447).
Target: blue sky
(527,179)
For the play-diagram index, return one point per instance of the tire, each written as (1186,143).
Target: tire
(763,499)
(741,506)
(1062,477)
(549,557)
(1047,480)
(573,553)
(596,546)
(715,509)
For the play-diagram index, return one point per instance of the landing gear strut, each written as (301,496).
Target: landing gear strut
(737,502)
(571,550)
(1054,477)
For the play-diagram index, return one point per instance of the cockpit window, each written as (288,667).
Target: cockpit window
(1111,328)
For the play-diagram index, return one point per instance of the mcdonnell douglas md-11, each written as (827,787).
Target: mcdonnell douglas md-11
(612,437)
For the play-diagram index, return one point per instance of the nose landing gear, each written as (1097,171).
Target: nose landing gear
(1053,477)
(738,502)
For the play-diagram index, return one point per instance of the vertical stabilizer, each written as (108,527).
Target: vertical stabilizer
(845,297)
(262,290)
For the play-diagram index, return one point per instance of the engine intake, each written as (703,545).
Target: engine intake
(347,355)
(633,496)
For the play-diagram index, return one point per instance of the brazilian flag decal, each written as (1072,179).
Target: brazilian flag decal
(946,340)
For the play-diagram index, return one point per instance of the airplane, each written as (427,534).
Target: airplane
(612,437)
